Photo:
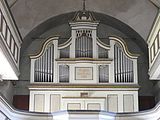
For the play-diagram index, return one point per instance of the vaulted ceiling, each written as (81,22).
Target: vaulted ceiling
(138,14)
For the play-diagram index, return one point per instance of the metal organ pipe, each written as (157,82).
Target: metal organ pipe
(123,66)
(44,66)
(83,45)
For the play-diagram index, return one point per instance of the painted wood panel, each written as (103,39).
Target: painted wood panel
(93,106)
(112,103)
(128,103)
(39,103)
(55,102)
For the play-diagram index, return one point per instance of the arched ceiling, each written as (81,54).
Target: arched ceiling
(138,14)
(38,33)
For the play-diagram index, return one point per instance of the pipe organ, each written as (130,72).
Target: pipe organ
(84,73)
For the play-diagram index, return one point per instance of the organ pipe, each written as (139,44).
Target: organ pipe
(44,66)
(84,46)
(123,66)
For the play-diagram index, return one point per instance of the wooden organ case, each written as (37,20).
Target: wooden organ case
(84,73)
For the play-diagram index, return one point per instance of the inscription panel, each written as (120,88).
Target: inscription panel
(84,73)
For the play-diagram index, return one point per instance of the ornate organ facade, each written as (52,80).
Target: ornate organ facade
(84,73)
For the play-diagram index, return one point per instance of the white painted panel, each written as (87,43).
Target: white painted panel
(55,102)
(4,27)
(12,44)
(73,106)
(84,73)
(39,103)
(152,53)
(8,37)
(112,103)
(156,44)
(128,102)
(16,53)
(93,106)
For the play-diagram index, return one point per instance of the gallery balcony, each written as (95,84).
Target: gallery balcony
(10,44)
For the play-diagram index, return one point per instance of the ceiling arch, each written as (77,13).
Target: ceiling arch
(138,14)
(65,18)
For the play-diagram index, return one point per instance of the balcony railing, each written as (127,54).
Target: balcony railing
(10,40)
(154,50)
(8,113)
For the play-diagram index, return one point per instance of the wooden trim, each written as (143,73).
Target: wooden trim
(65,44)
(83,97)
(102,44)
(42,50)
(60,85)
(123,44)
(86,59)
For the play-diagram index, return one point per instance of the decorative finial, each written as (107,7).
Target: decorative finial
(84,5)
